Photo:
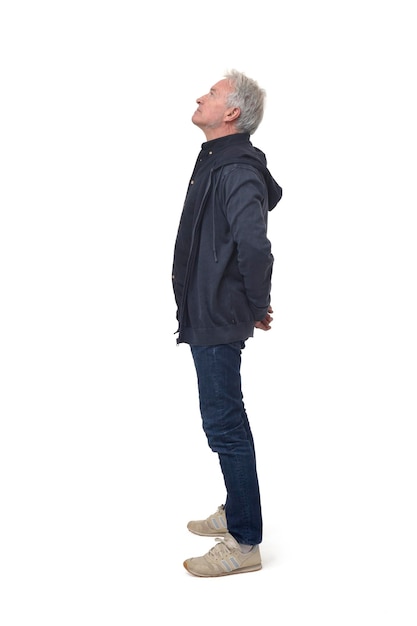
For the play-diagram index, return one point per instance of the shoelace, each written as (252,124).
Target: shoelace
(220,549)
(220,511)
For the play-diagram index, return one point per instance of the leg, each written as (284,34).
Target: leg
(228,433)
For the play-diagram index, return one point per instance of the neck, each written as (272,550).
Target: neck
(216,133)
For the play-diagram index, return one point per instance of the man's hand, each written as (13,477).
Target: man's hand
(265,324)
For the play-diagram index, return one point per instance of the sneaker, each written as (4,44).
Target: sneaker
(213,526)
(223,559)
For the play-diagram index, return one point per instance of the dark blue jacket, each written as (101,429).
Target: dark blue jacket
(222,259)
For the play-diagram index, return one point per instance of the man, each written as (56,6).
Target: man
(222,281)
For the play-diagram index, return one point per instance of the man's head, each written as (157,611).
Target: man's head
(233,105)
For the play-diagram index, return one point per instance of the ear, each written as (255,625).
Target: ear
(232,114)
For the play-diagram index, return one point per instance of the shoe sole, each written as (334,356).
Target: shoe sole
(240,570)
(213,534)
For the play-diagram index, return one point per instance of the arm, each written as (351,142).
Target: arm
(245,201)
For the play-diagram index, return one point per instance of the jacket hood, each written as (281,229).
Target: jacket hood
(241,150)
(274,190)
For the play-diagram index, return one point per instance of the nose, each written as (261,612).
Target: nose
(200,99)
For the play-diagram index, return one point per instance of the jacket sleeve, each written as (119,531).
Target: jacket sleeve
(246,210)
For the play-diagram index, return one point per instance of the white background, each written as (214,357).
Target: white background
(103,460)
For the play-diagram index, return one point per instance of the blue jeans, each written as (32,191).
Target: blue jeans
(226,426)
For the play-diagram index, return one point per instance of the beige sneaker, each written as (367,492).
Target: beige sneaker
(223,559)
(213,526)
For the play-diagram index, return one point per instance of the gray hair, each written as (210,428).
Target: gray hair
(249,98)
